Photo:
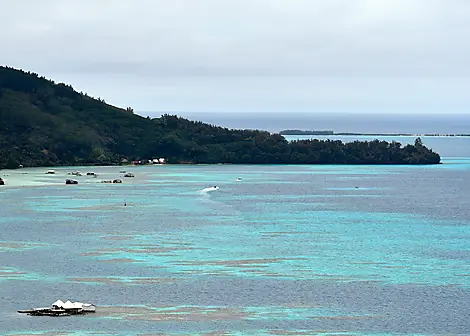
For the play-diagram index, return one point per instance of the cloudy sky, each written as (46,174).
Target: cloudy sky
(379,56)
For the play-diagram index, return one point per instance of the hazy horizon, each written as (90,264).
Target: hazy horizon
(338,122)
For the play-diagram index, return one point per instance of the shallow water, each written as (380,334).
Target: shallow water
(288,250)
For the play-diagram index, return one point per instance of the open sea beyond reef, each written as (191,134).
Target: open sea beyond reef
(288,250)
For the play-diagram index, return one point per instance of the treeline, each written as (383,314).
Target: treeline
(197,142)
(47,124)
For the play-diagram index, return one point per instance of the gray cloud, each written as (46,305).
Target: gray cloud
(248,55)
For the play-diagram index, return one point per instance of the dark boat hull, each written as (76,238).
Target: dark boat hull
(26,311)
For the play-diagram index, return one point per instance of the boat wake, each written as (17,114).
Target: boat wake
(208,190)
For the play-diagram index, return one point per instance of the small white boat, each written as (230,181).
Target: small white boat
(50,171)
(239,179)
(210,189)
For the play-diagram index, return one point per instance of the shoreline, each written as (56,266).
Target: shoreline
(213,164)
(33,177)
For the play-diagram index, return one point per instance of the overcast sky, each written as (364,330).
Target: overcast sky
(379,56)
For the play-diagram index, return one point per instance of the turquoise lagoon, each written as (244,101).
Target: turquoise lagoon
(288,250)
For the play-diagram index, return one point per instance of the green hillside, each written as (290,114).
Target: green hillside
(47,124)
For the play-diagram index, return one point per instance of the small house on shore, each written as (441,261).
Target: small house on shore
(159,161)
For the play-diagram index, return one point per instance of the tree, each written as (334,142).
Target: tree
(418,142)
(12,163)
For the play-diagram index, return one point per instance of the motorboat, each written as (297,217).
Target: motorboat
(210,189)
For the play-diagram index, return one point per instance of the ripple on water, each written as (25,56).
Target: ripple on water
(14,274)
(113,280)
(350,258)
(19,246)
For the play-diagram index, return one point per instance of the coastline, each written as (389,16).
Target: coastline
(2,170)
(32,177)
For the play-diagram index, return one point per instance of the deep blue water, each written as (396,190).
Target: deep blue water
(288,250)
(340,122)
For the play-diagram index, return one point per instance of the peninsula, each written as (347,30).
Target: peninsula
(43,123)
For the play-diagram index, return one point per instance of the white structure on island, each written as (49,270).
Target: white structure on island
(76,307)
(58,304)
(158,161)
(60,308)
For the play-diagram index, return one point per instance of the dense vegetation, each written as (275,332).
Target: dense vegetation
(43,123)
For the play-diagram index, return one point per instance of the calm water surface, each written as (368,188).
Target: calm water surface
(288,250)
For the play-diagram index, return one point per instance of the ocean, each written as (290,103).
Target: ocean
(339,122)
(276,250)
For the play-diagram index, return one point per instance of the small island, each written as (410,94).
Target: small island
(314,132)
(43,123)
(306,132)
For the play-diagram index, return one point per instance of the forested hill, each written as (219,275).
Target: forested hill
(46,124)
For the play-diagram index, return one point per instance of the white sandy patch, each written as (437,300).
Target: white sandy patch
(30,177)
